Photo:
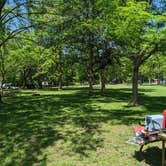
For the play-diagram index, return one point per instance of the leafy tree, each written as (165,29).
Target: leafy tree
(154,68)
(27,59)
(87,25)
(139,35)
(13,20)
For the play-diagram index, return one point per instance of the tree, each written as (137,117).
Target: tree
(13,20)
(87,24)
(154,68)
(27,59)
(139,35)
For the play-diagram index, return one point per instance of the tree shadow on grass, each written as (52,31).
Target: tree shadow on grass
(120,94)
(24,132)
(151,156)
(153,104)
(30,124)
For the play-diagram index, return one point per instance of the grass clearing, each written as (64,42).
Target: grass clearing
(69,128)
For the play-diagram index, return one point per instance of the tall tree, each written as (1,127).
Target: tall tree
(87,22)
(140,37)
(13,19)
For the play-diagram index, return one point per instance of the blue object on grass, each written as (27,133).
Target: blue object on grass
(153,122)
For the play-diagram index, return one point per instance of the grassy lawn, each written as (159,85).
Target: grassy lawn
(69,128)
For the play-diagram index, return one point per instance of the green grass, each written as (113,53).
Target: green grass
(69,128)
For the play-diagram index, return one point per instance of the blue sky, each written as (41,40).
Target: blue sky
(159,4)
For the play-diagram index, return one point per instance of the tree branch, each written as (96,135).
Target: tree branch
(149,54)
(2,4)
(13,34)
(14,8)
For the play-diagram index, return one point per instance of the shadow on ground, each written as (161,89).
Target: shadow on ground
(151,156)
(32,123)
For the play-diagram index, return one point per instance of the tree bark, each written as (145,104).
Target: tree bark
(60,72)
(2,82)
(150,82)
(1,91)
(2,4)
(91,72)
(40,84)
(134,100)
(23,79)
(102,80)
(60,82)
(2,52)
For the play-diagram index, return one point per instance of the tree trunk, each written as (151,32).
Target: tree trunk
(24,81)
(150,81)
(2,50)
(2,4)
(1,99)
(60,82)
(134,100)
(1,91)
(91,72)
(102,80)
(60,72)
(40,84)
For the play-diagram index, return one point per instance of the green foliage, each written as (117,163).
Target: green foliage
(154,68)
(66,32)
(137,30)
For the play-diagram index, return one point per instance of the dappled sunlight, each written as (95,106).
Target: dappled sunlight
(36,127)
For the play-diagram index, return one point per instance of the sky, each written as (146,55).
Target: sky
(159,4)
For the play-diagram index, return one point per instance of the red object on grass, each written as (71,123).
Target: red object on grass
(164,119)
(139,128)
